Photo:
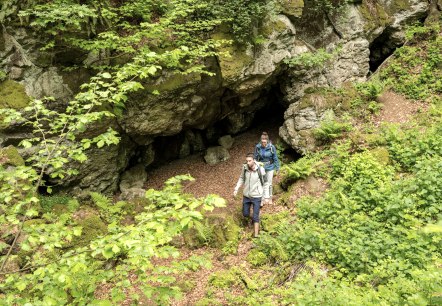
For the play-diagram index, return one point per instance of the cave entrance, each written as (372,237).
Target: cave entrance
(266,113)
(382,47)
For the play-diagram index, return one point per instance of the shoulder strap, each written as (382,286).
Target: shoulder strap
(261,178)
(257,153)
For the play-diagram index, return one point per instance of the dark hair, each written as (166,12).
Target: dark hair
(265,135)
(250,155)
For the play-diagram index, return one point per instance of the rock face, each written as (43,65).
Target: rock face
(198,109)
(355,29)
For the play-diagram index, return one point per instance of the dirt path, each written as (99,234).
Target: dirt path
(397,109)
(218,179)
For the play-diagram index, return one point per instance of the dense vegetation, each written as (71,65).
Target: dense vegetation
(369,239)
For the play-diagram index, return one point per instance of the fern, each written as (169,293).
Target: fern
(110,212)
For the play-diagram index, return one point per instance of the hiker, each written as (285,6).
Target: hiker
(255,189)
(265,153)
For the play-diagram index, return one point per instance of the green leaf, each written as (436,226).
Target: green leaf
(107,252)
(26,144)
(116,249)
(62,278)
(21,285)
(106,75)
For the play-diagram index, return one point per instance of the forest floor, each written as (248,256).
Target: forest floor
(221,179)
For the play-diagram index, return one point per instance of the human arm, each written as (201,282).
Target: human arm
(239,183)
(275,160)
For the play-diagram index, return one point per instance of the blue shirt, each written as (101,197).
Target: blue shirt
(267,155)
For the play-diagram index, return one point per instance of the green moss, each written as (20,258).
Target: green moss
(272,26)
(398,5)
(30,223)
(58,204)
(277,189)
(322,99)
(284,199)
(11,156)
(233,58)
(374,14)
(93,227)
(382,155)
(173,82)
(13,95)
(13,263)
(292,7)
(256,258)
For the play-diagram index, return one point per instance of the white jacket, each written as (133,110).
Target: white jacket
(252,184)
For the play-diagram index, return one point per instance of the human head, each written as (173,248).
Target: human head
(264,139)
(250,160)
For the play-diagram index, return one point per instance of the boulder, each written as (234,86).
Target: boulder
(134,177)
(132,193)
(226,141)
(303,117)
(215,155)
(11,156)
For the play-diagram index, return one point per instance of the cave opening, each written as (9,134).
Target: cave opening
(383,47)
(266,113)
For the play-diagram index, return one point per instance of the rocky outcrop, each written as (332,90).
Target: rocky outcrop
(198,109)
(352,33)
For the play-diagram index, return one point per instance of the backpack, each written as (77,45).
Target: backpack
(271,151)
(263,179)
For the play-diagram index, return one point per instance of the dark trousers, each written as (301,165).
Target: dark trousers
(246,203)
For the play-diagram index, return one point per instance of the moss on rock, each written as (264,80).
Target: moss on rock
(374,14)
(11,156)
(92,227)
(233,59)
(292,7)
(13,95)
(272,26)
(225,279)
(12,265)
(173,82)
